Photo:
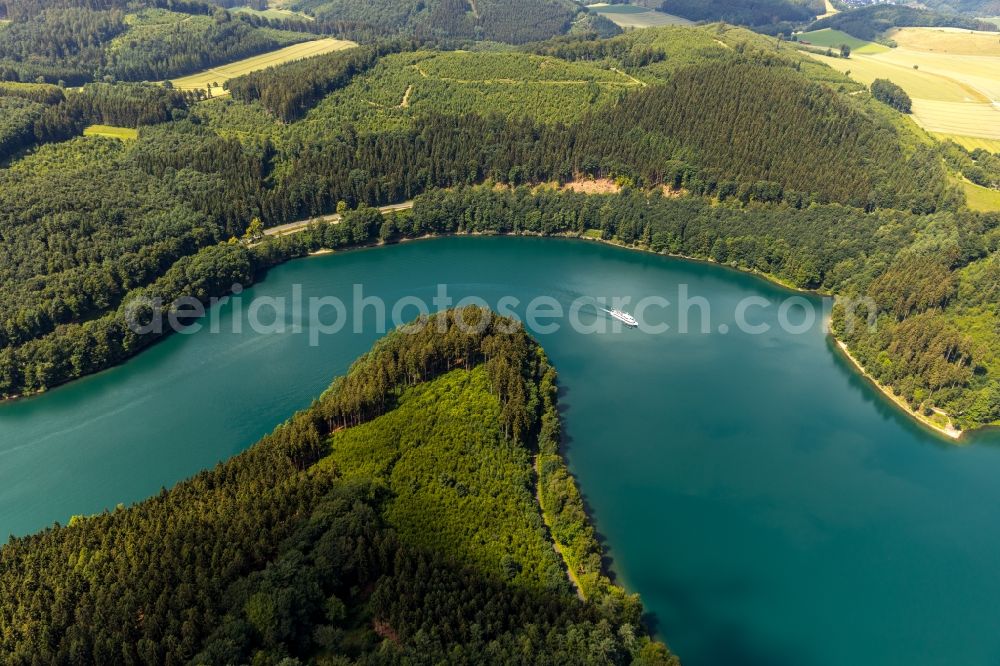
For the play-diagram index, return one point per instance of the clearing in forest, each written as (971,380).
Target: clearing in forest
(120,133)
(216,76)
(633,16)
(981,198)
(274,13)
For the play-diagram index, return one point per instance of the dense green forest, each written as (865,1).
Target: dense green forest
(161,44)
(976,8)
(74,43)
(17,124)
(300,548)
(889,93)
(756,13)
(980,166)
(869,22)
(832,248)
(288,91)
(60,116)
(511,21)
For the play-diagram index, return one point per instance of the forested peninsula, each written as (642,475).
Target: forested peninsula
(336,540)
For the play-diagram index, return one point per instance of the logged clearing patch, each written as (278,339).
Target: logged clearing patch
(214,78)
(633,16)
(120,133)
(403,86)
(593,186)
(275,13)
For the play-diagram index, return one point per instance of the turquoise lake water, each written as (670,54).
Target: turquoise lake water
(770,507)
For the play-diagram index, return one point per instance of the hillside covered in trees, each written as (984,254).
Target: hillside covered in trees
(975,8)
(757,14)
(511,21)
(717,114)
(77,42)
(302,548)
(713,112)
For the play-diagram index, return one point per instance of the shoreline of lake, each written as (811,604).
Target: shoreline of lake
(952,433)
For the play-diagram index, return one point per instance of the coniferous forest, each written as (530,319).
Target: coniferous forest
(363,529)
(295,550)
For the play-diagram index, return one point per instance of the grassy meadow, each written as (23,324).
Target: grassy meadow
(833,39)
(121,133)
(216,76)
(981,198)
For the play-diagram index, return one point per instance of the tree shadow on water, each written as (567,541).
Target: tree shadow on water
(709,638)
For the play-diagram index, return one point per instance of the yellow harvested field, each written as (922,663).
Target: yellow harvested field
(830,10)
(916,83)
(972,142)
(980,73)
(953,94)
(973,120)
(953,41)
(216,76)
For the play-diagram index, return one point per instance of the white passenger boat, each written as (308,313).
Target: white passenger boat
(622,316)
